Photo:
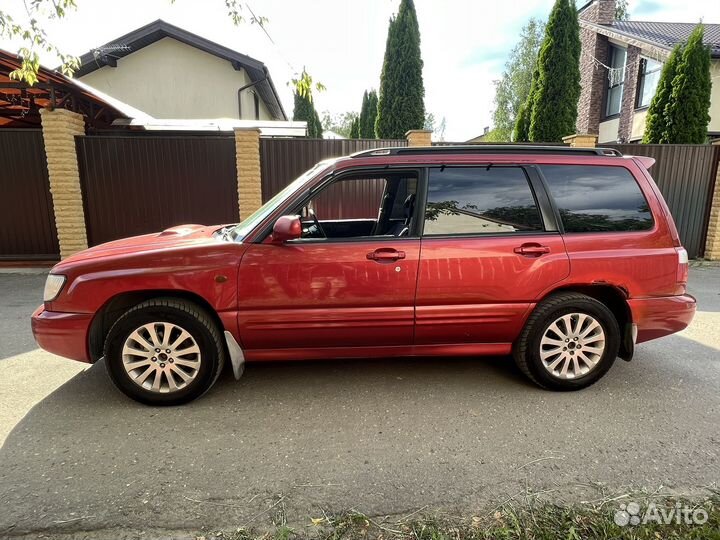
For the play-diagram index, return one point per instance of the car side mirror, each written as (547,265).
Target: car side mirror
(286,228)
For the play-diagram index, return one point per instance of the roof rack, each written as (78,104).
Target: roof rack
(486,149)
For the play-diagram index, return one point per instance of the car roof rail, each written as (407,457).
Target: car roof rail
(485,149)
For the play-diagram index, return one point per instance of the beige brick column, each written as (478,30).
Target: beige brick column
(712,242)
(419,137)
(59,128)
(247,155)
(581,140)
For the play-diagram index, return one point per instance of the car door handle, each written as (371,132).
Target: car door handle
(385,254)
(532,250)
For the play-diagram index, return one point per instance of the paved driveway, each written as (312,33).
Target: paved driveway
(381,437)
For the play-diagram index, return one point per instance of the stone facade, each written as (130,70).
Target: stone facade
(59,128)
(419,137)
(712,243)
(247,156)
(627,107)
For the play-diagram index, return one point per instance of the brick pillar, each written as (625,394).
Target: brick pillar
(247,156)
(59,128)
(593,80)
(581,141)
(712,242)
(419,137)
(627,108)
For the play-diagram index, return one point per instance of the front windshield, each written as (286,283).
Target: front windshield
(242,229)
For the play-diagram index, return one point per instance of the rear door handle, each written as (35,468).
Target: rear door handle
(385,254)
(532,250)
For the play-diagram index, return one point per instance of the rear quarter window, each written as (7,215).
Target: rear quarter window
(593,198)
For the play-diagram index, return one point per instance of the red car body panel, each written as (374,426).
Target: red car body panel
(447,296)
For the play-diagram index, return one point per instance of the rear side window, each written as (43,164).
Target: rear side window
(480,200)
(597,199)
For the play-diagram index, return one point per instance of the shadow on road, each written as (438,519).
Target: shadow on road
(380,436)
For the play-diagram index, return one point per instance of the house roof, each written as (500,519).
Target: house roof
(666,34)
(109,53)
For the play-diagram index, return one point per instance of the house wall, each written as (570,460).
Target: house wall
(715,99)
(638,125)
(608,131)
(169,79)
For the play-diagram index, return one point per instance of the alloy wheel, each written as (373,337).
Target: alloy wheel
(572,346)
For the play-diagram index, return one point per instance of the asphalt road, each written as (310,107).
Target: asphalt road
(380,437)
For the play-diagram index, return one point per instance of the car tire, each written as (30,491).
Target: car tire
(569,342)
(164,351)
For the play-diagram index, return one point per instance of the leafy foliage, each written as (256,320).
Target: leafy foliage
(679,111)
(304,110)
(400,106)
(339,123)
(621,10)
(688,112)
(513,87)
(355,129)
(557,88)
(368,114)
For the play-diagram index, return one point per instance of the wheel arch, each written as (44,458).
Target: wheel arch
(615,298)
(113,309)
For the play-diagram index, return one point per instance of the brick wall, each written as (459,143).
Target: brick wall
(59,128)
(712,243)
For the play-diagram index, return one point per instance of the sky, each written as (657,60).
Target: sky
(465,43)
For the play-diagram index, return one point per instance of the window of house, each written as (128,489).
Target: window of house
(616,81)
(597,199)
(480,200)
(649,78)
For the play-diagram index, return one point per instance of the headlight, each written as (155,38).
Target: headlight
(53,286)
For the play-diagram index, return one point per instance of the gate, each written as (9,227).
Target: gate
(138,184)
(27,221)
(283,160)
(685,174)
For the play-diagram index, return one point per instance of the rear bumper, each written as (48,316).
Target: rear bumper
(64,334)
(658,317)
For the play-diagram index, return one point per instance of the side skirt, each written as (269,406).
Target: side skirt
(329,353)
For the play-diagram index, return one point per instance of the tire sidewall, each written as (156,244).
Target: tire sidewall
(133,320)
(612,344)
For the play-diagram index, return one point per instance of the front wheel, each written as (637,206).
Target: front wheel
(569,342)
(164,351)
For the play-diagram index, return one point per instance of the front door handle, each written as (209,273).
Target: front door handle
(531,249)
(385,254)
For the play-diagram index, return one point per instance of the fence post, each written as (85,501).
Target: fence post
(419,137)
(59,128)
(581,140)
(247,156)
(712,242)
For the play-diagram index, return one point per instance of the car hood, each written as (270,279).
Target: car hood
(174,237)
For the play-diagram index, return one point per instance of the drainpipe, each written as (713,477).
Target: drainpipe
(242,89)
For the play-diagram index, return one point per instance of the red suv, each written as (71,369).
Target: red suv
(564,258)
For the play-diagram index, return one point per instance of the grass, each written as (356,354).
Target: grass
(530,520)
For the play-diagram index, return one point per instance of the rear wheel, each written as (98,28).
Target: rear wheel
(569,342)
(164,351)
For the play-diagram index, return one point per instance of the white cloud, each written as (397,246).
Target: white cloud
(342,42)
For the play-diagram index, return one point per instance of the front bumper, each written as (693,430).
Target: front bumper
(64,334)
(658,317)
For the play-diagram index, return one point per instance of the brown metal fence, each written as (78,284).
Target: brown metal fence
(27,221)
(139,184)
(685,174)
(283,160)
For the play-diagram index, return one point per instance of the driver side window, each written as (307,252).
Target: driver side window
(363,205)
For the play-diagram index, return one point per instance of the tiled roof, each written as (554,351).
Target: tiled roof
(667,34)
